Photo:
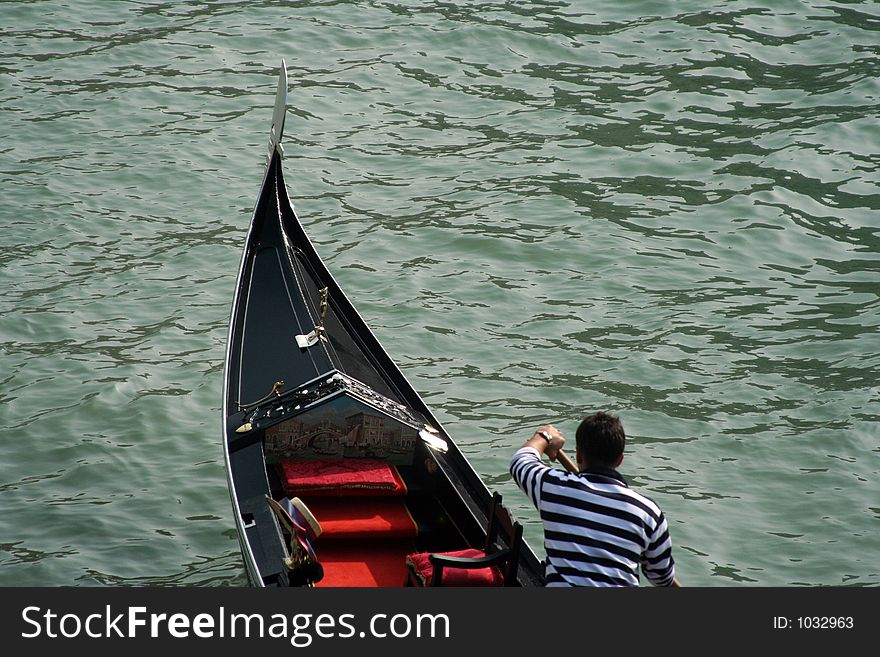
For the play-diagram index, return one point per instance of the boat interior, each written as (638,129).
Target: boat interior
(376,488)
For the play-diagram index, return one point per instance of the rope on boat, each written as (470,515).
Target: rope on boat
(319,332)
(274,392)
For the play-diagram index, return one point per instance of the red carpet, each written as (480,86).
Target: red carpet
(367,529)
(364,563)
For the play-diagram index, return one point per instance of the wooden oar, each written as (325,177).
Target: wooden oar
(566,462)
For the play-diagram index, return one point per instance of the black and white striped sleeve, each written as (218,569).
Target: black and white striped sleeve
(657,562)
(528,471)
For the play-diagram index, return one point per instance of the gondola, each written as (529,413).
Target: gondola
(338,472)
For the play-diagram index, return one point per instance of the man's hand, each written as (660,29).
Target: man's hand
(540,442)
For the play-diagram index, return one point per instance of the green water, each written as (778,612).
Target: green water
(667,210)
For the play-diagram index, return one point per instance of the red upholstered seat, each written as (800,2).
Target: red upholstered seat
(362,517)
(420,566)
(340,477)
(367,529)
(472,567)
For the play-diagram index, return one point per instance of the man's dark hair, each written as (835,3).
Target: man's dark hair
(601,439)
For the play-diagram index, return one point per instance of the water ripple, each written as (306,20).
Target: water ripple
(542,208)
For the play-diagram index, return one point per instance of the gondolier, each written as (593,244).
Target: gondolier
(597,530)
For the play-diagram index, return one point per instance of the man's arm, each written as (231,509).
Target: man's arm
(526,466)
(658,564)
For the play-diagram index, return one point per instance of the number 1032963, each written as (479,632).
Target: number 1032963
(814,623)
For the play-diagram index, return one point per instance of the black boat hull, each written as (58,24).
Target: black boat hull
(272,383)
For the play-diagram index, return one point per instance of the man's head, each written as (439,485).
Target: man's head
(600,441)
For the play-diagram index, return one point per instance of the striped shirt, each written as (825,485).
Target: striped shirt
(597,530)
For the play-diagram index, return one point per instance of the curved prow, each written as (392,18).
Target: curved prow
(277,130)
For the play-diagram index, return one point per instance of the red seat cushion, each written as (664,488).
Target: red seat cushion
(422,568)
(340,477)
(362,517)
